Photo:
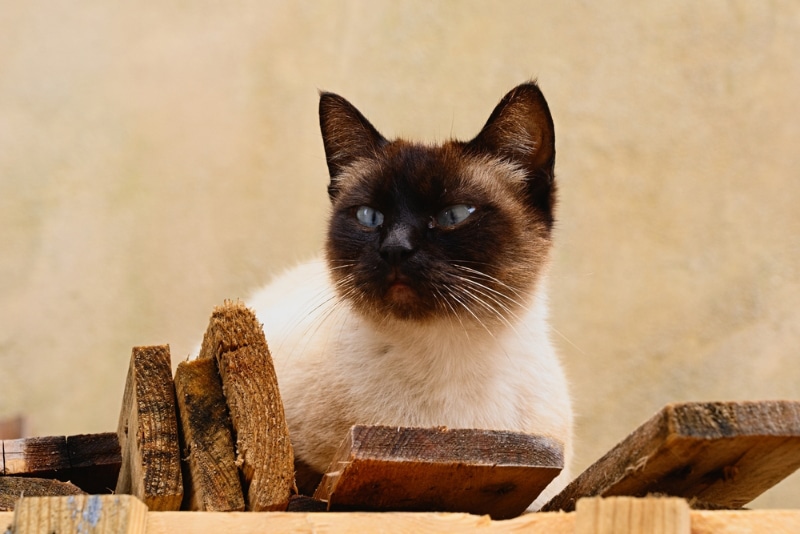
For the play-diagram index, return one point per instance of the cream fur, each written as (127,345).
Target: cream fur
(336,369)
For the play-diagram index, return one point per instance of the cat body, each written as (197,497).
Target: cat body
(429,307)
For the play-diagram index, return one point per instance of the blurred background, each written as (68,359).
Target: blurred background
(157,158)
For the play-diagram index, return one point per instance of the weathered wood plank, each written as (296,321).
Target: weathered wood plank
(90,461)
(721,453)
(148,432)
(628,515)
(82,514)
(43,457)
(436,469)
(211,479)
(12,488)
(235,339)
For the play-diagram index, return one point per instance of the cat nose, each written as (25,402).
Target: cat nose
(398,244)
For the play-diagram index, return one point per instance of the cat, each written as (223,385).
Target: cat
(429,307)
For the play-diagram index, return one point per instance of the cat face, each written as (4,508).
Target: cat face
(457,231)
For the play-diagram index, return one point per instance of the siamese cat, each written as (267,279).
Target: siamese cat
(429,307)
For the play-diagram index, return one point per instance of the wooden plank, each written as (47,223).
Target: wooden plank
(721,453)
(436,469)
(235,339)
(211,479)
(628,515)
(95,461)
(43,457)
(82,514)
(354,522)
(90,461)
(12,488)
(148,432)
(703,522)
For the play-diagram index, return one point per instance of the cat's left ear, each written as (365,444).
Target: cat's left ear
(520,130)
(347,135)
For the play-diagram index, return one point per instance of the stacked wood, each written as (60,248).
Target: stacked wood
(424,469)
(210,475)
(264,455)
(148,432)
(90,461)
(718,454)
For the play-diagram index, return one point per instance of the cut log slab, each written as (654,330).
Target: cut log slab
(211,479)
(235,339)
(721,454)
(436,469)
(12,488)
(148,432)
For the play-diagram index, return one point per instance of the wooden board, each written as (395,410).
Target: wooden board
(12,488)
(702,522)
(148,432)
(42,457)
(211,479)
(721,453)
(414,469)
(81,514)
(616,515)
(235,339)
(90,461)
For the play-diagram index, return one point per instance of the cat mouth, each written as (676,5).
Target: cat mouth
(399,289)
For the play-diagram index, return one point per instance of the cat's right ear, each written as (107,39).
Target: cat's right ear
(346,134)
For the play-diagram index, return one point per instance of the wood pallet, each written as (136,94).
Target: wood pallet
(214,438)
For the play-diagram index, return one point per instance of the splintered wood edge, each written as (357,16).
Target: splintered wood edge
(211,478)
(235,339)
(148,431)
(673,422)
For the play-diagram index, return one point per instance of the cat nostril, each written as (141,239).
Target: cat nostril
(398,244)
(395,254)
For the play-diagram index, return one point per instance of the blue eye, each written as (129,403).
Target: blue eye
(371,218)
(454,215)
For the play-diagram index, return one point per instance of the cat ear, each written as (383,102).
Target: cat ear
(520,130)
(346,134)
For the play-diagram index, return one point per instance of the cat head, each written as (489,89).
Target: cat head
(455,231)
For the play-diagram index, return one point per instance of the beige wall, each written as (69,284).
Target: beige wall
(159,157)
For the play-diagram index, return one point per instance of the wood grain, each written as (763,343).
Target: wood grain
(235,339)
(81,514)
(629,515)
(721,453)
(12,488)
(703,522)
(211,479)
(148,432)
(90,461)
(436,469)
